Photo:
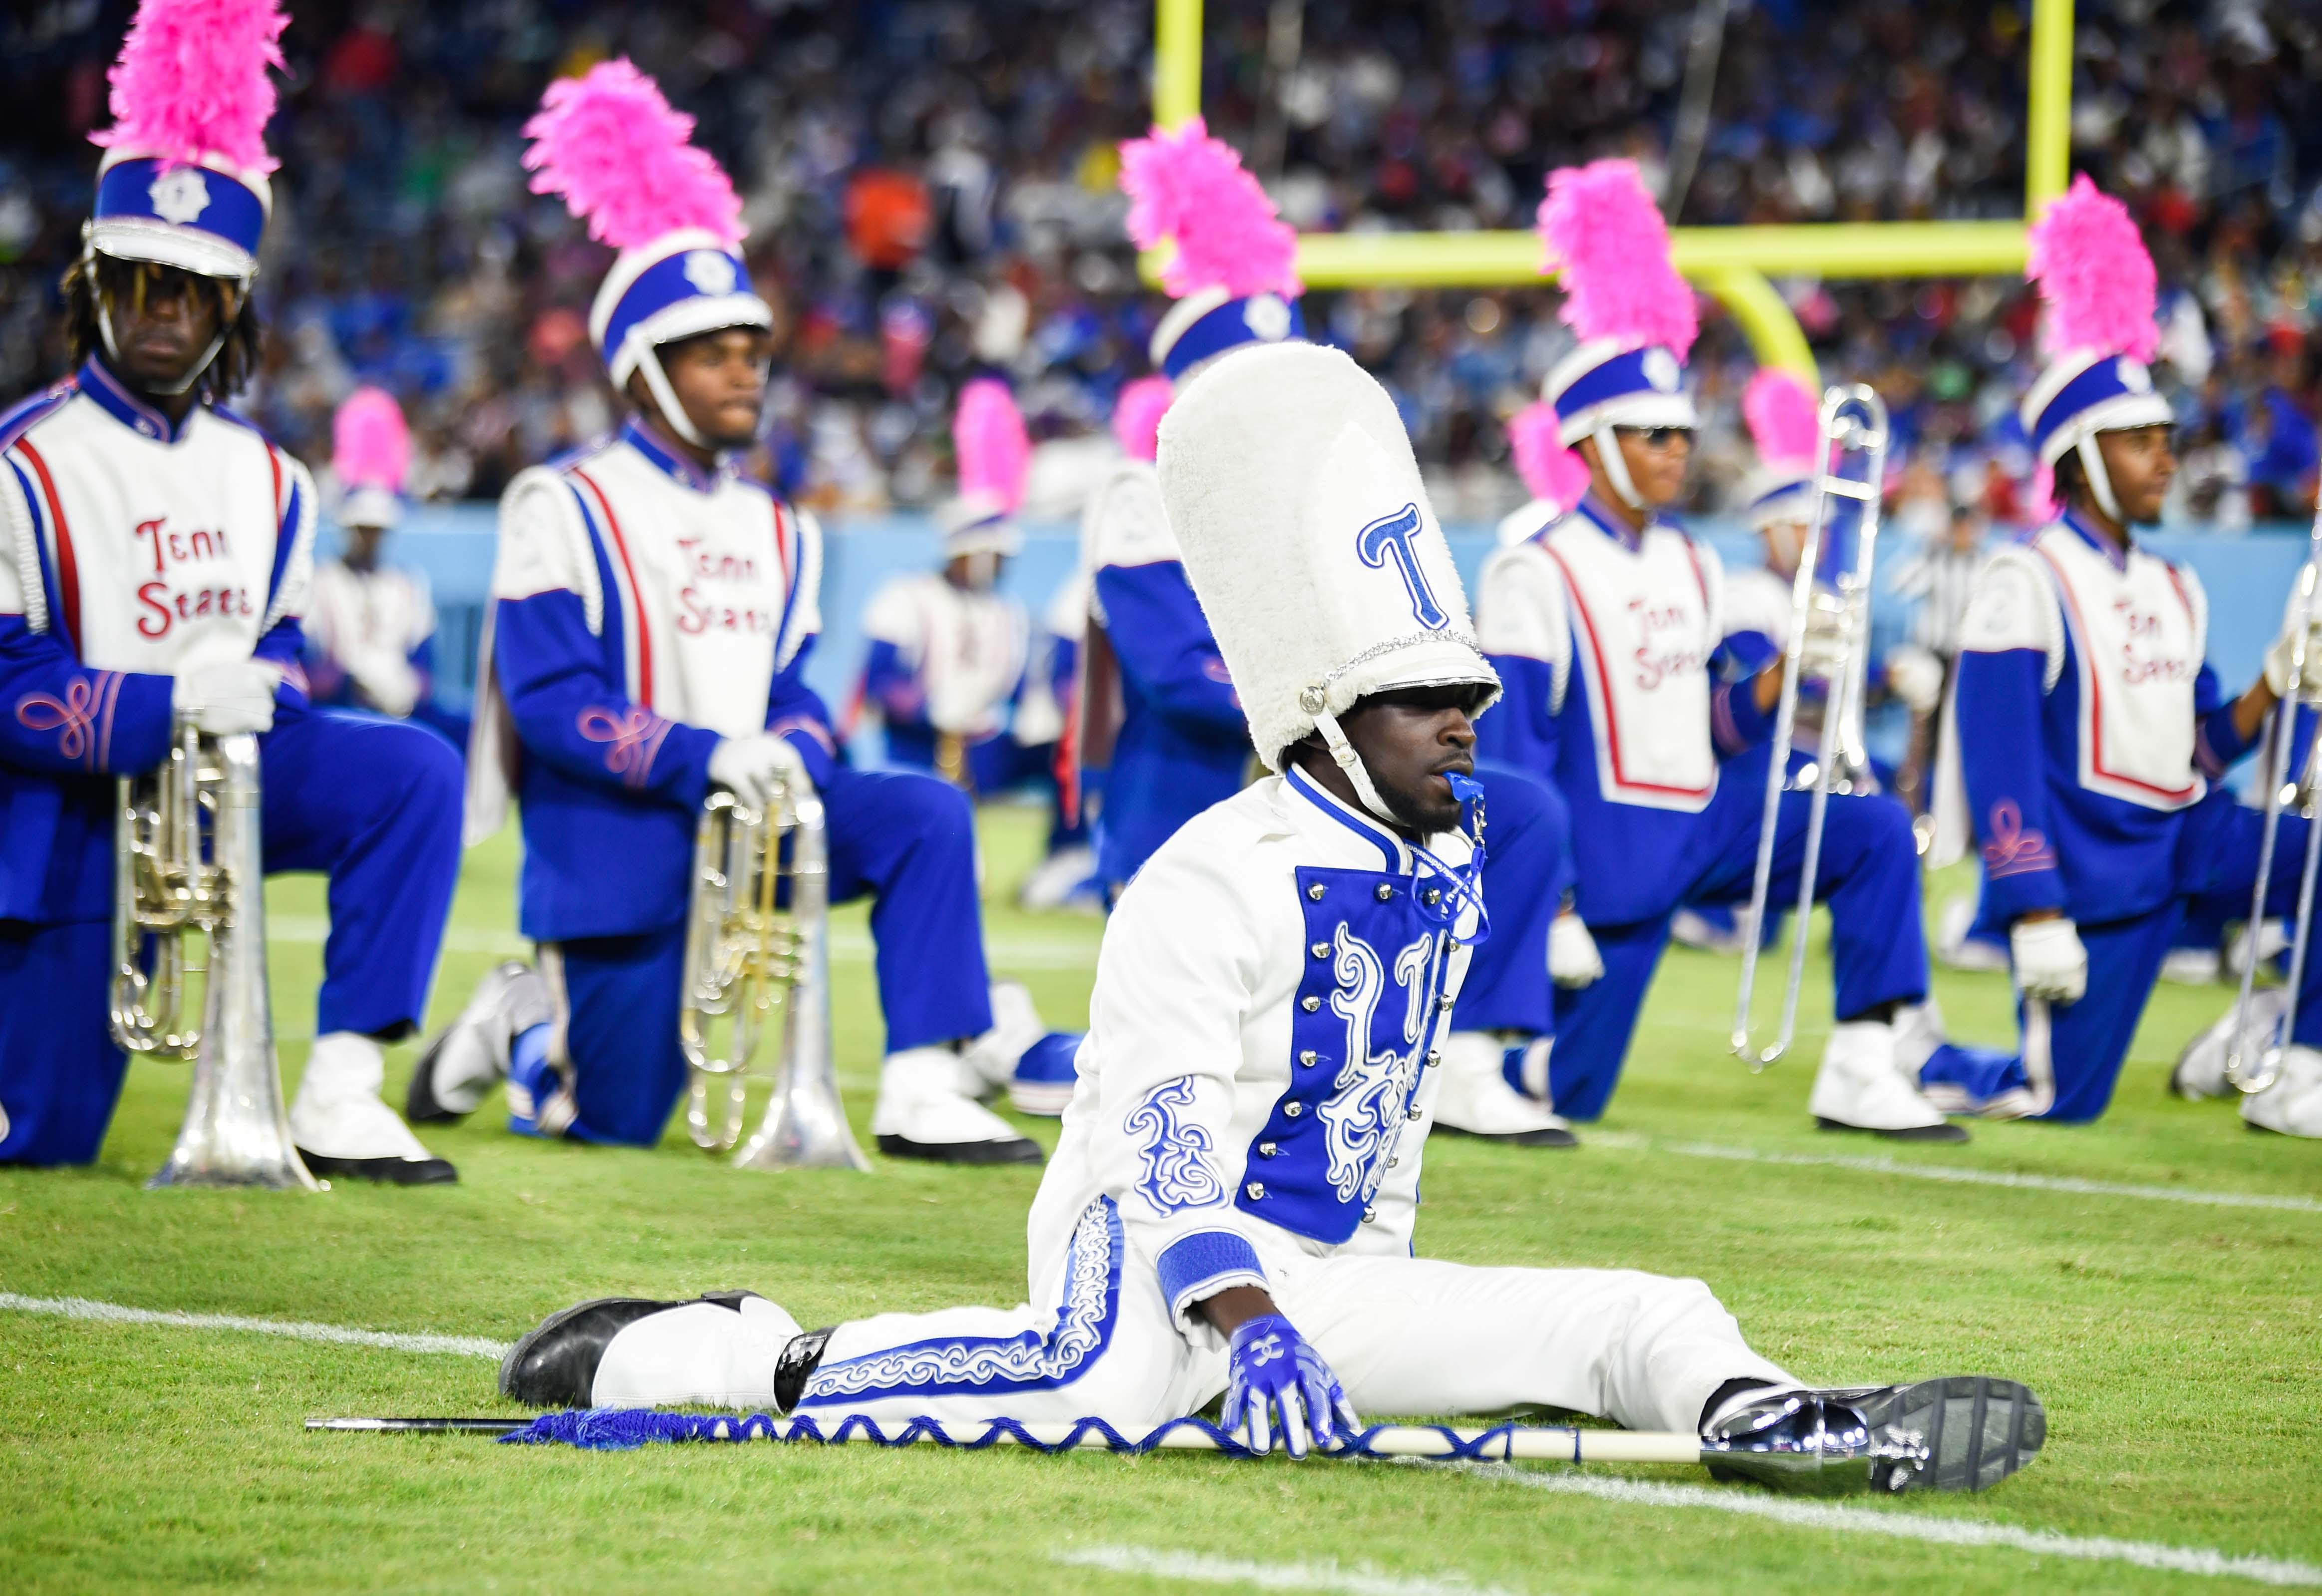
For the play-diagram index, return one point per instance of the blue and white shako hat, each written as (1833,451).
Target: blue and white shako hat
(1233,271)
(184,181)
(1634,316)
(2099,293)
(622,160)
(1288,480)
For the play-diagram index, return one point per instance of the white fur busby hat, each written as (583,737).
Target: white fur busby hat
(1289,480)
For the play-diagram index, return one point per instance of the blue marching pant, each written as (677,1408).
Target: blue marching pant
(2075,1051)
(372,803)
(905,840)
(1869,874)
(1527,870)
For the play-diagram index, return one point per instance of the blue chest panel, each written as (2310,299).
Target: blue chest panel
(1365,1020)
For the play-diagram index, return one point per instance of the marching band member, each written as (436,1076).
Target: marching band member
(1231,1208)
(1607,627)
(371,627)
(653,616)
(155,554)
(1183,742)
(2088,729)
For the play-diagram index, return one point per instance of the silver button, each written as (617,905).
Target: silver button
(1255,1189)
(1315,892)
(1320,950)
(1293,1110)
(1307,1058)
(1369,1214)
(1434,1057)
(1267,1149)
(1444,1002)
(1310,1004)
(1395,1161)
(1384,892)
(1434,897)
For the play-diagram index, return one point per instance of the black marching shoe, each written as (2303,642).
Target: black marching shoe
(555,1364)
(1965,1432)
(1011,1150)
(465,1060)
(385,1172)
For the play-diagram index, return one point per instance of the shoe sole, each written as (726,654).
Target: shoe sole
(383,1171)
(1978,1429)
(1048,1102)
(419,1104)
(1016,1150)
(1909,1133)
(1547,1135)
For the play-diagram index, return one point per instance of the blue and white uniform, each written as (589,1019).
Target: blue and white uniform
(2097,731)
(133,551)
(1610,644)
(645,608)
(951,661)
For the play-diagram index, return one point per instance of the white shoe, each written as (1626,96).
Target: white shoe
(988,1063)
(922,1113)
(1860,1088)
(1065,880)
(2200,1071)
(2292,1105)
(2273,940)
(705,1354)
(1689,928)
(469,1056)
(342,1127)
(1959,950)
(1475,1100)
(2192,967)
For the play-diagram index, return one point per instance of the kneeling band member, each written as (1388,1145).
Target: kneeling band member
(2089,728)
(652,616)
(1606,628)
(1230,1211)
(155,555)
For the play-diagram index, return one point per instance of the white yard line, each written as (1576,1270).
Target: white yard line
(113,1313)
(1940,1531)
(1361,1579)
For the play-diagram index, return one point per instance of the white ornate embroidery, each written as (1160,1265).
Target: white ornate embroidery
(1173,1160)
(1372,1092)
(1082,1321)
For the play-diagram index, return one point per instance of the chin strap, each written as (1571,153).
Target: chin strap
(673,413)
(2099,479)
(1616,467)
(1315,701)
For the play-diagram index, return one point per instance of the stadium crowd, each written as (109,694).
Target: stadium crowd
(946,205)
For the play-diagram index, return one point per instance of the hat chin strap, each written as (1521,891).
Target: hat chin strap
(1351,763)
(1616,466)
(2099,479)
(673,413)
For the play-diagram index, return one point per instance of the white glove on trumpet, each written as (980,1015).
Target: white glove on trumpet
(752,767)
(1573,960)
(2050,960)
(231,696)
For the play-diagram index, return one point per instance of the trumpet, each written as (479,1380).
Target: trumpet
(757,956)
(2251,1074)
(1851,466)
(236,1131)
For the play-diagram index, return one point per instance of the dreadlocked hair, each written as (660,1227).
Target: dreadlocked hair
(2072,478)
(228,372)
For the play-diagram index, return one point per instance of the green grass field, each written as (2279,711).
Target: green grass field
(2175,1343)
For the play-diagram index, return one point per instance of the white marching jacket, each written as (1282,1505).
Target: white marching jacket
(1259,1066)
(968,650)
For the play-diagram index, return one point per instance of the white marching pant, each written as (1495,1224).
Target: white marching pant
(1405,1337)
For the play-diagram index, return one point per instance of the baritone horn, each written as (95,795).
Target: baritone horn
(1851,469)
(2251,1066)
(757,957)
(166,885)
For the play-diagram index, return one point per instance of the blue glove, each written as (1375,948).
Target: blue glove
(1277,1383)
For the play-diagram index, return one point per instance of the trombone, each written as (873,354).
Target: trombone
(2248,1075)
(1853,466)
(757,957)
(236,1131)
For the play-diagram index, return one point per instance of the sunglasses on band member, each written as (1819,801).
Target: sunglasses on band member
(1657,438)
(130,284)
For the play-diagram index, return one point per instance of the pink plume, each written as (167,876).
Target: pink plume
(191,81)
(2095,275)
(1137,416)
(1606,235)
(1190,187)
(2040,506)
(1550,471)
(370,445)
(1783,418)
(621,157)
(995,452)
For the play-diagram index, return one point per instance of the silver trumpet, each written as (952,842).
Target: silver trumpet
(1852,467)
(2250,1067)
(236,1131)
(758,957)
